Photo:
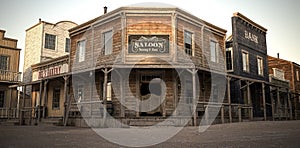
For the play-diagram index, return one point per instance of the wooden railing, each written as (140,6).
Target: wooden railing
(10,76)
(10,113)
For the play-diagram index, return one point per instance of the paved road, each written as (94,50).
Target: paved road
(246,134)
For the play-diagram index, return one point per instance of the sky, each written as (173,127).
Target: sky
(280,17)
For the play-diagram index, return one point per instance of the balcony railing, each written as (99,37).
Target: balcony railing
(10,76)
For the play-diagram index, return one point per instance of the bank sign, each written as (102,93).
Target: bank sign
(49,71)
(148,44)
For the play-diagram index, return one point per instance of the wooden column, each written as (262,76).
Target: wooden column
(229,99)
(23,105)
(195,100)
(105,71)
(175,92)
(40,101)
(137,85)
(295,102)
(264,101)
(286,108)
(222,114)
(249,100)
(9,105)
(290,105)
(240,113)
(45,98)
(273,107)
(122,95)
(278,103)
(66,112)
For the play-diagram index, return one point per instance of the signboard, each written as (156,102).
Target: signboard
(49,71)
(147,44)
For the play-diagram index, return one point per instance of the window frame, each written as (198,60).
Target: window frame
(247,62)
(48,42)
(192,42)
(260,70)
(104,45)
(2,100)
(67,45)
(231,58)
(216,50)
(7,66)
(80,56)
(56,100)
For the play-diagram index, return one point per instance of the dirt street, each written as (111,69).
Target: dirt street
(246,134)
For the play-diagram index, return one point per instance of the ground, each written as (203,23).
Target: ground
(245,134)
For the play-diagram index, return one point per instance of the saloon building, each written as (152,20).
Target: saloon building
(130,55)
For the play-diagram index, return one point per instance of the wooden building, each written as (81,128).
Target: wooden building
(290,73)
(246,63)
(123,57)
(9,75)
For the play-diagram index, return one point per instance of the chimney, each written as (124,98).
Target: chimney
(40,20)
(105,9)
(278,55)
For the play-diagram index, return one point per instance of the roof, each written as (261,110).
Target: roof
(126,9)
(238,14)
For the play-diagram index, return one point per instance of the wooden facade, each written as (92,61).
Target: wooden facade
(9,75)
(131,27)
(290,70)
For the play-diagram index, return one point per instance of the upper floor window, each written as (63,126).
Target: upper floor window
(188,43)
(297,75)
(50,41)
(245,59)
(213,51)
(260,67)
(229,59)
(81,50)
(68,45)
(4,62)
(108,42)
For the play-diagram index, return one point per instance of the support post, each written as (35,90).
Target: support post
(278,103)
(45,98)
(240,113)
(290,105)
(249,99)
(105,71)
(229,99)
(137,85)
(222,114)
(66,103)
(40,101)
(195,100)
(273,107)
(264,101)
(122,96)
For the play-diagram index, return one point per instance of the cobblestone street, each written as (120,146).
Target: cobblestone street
(246,134)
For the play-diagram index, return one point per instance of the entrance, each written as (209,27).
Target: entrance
(151,95)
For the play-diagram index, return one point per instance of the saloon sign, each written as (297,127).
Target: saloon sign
(149,45)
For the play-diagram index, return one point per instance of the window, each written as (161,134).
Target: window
(56,98)
(50,41)
(213,51)
(108,91)
(68,45)
(260,67)
(297,75)
(229,59)
(80,93)
(4,62)
(108,41)
(81,50)
(188,43)
(2,94)
(245,59)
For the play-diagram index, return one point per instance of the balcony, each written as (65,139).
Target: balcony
(9,76)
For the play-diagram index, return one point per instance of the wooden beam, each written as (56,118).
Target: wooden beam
(278,102)
(264,101)
(45,98)
(290,105)
(194,72)
(40,101)
(137,85)
(66,103)
(229,99)
(249,99)
(105,71)
(273,107)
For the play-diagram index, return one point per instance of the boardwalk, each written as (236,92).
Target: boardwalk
(246,134)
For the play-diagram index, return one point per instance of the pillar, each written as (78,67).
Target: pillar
(45,98)
(229,99)
(264,101)
(67,102)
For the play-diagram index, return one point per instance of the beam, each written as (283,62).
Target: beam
(264,101)
(229,99)
(40,101)
(194,72)
(45,98)
(66,103)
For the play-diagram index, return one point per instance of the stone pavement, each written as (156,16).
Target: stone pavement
(245,134)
